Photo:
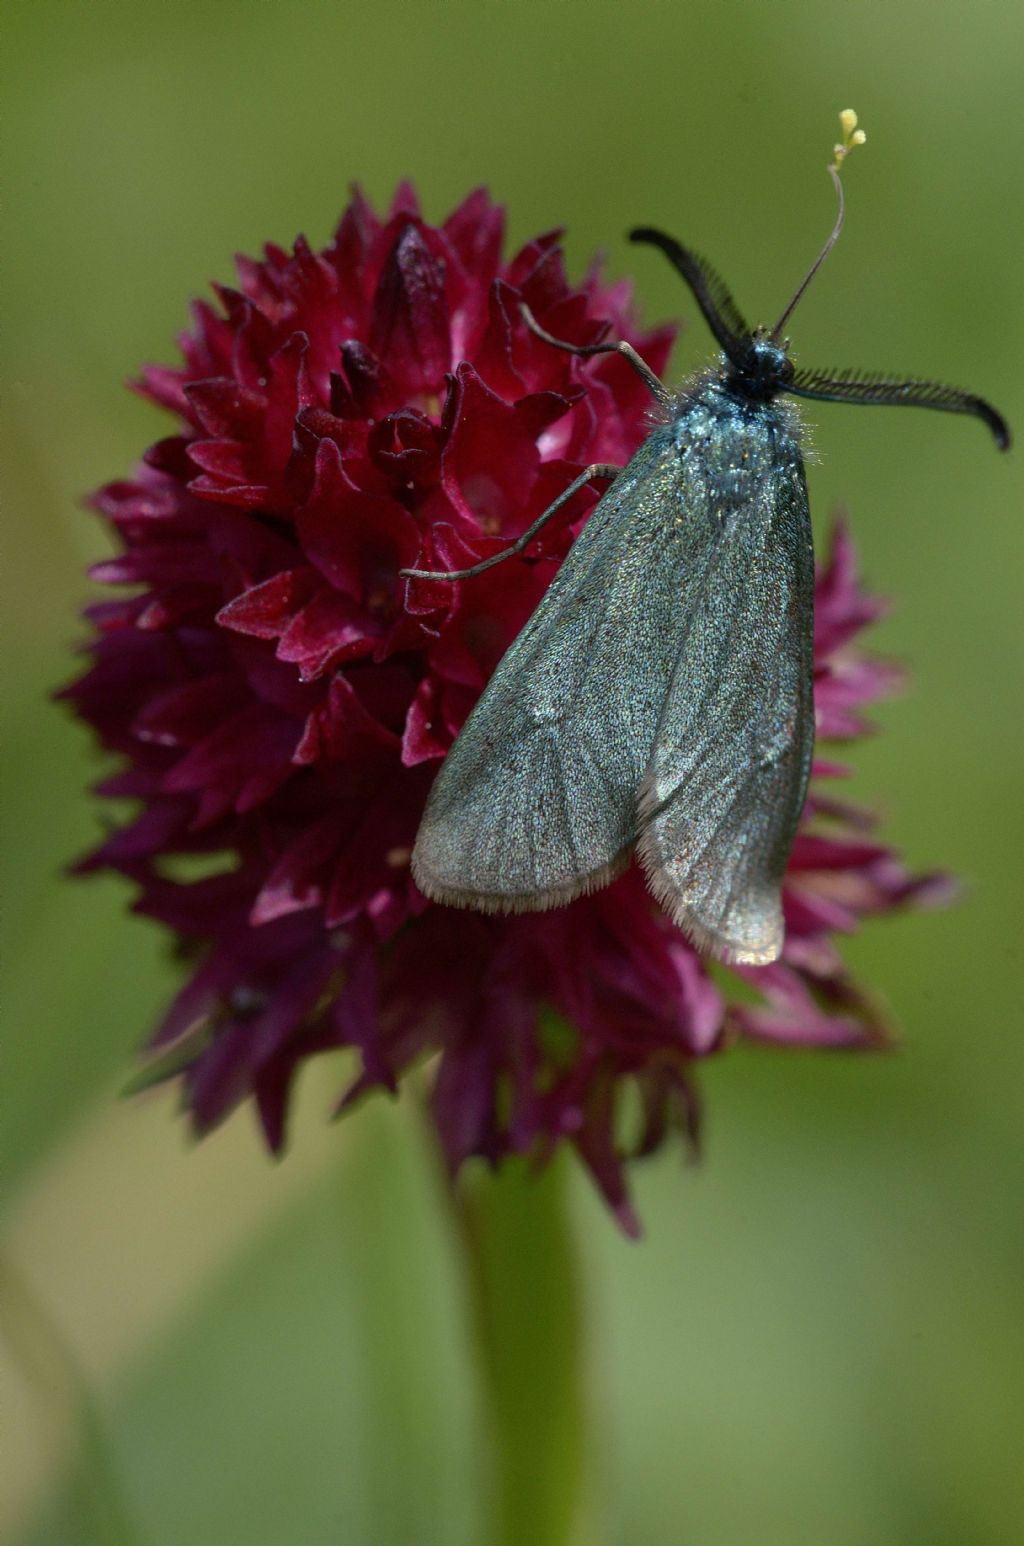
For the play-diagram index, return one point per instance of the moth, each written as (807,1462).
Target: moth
(660,699)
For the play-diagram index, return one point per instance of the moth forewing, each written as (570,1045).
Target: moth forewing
(536,802)
(731,757)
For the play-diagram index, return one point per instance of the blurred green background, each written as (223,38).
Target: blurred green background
(821,1338)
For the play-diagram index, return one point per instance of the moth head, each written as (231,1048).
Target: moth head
(763,369)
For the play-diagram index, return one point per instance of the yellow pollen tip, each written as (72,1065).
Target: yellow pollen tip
(852,136)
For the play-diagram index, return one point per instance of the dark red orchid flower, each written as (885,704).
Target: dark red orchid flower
(278,701)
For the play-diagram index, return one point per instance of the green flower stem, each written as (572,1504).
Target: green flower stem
(69,1419)
(524,1294)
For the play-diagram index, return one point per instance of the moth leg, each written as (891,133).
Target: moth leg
(653,382)
(595,470)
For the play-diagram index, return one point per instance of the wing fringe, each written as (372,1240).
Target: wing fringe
(524,902)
